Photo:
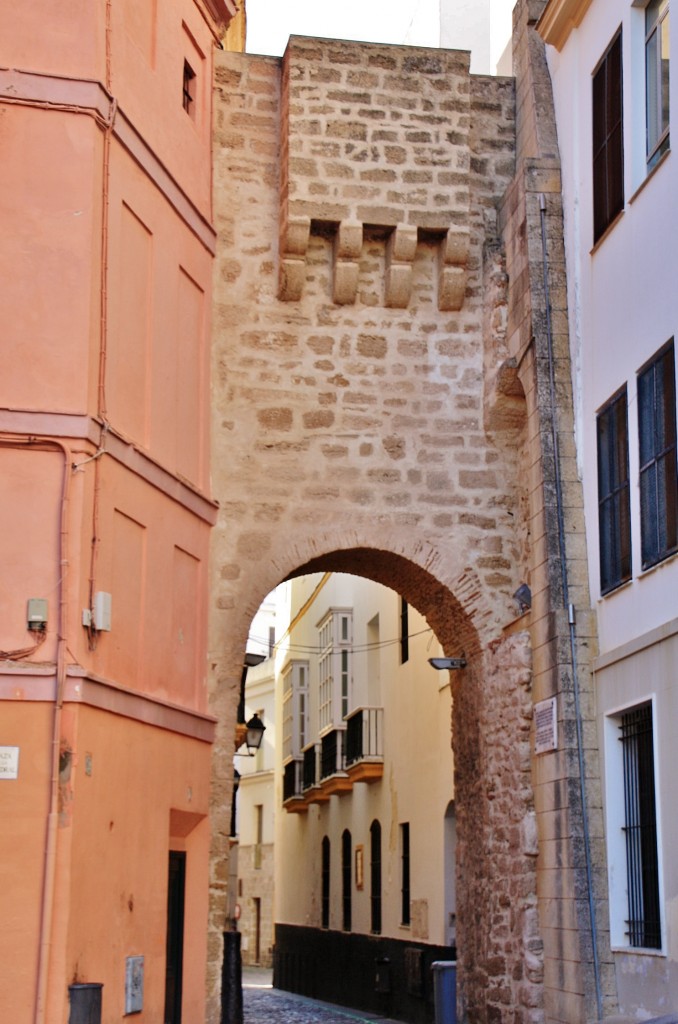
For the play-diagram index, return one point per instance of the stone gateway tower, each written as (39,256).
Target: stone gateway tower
(387,354)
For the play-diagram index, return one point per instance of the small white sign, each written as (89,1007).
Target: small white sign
(546,726)
(9,762)
(134,984)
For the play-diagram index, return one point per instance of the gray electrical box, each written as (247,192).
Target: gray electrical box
(101,611)
(134,984)
(36,613)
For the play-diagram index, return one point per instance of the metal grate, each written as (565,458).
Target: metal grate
(640,829)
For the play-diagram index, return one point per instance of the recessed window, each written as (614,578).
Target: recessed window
(657,79)
(405,872)
(325,882)
(657,442)
(608,140)
(189,89)
(614,517)
(375,878)
(346,880)
(643,927)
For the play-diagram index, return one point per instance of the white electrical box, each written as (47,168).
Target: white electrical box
(36,613)
(101,611)
(134,984)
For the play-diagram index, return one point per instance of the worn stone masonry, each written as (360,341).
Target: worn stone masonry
(379,409)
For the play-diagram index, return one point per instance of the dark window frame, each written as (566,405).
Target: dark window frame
(405,915)
(657,112)
(607,102)
(346,880)
(657,452)
(375,878)
(640,828)
(325,882)
(614,493)
(188,89)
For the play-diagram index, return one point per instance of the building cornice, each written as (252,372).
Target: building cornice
(44,424)
(559,18)
(37,683)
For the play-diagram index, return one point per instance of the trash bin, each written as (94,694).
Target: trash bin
(445,991)
(85,1002)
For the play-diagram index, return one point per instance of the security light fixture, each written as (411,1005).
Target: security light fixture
(523,596)
(447,663)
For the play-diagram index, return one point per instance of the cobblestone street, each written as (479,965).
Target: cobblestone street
(263,1004)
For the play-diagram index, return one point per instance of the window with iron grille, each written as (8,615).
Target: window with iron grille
(657,442)
(640,828)
(405,872)
(614,516)
(346,880)
(325,882)
(657,79)
(375,878)
(608,140)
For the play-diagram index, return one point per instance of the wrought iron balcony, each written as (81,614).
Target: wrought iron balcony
(333,776)
(365,744)
(293,796)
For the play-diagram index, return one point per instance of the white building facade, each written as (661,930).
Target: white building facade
(609,63)
(363,849)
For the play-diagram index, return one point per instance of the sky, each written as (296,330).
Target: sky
(271,22)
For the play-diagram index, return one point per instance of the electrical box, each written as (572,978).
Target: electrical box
(134,984)
(101,611)
(37,613)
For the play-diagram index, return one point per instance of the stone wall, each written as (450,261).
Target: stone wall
(379,409)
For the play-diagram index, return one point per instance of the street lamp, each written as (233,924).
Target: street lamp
(255,734)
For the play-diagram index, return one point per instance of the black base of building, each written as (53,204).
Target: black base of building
(388,977)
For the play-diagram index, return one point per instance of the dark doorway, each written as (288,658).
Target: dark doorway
(257,929)
(175,936)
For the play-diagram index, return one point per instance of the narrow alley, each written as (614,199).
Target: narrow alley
(263,1004)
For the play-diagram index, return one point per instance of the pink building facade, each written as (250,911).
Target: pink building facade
(105,737)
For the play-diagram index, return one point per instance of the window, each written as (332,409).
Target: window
(404,632)
(346,880)
(259,834)
(375,878)
(614,520)
(188,98)
(657,442)
(334,668)
(295,708)
(608,142)
(325,882)
(640,828)
(405,872)
(657,79)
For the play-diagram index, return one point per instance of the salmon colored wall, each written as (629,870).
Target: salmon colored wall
(152,559)
(157,389)
(124,781)
(24,804)
(50,189)
(150,42)
(40,37)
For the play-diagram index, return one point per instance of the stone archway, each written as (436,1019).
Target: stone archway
(500,962)
(381,386)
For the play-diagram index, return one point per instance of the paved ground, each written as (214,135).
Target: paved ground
(263,1004)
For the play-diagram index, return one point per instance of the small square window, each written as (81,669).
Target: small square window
(189,89)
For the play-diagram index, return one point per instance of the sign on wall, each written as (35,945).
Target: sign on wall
(9,762)
(546,726)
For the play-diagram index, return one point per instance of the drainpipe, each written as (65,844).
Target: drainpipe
(570,617)
(49,869)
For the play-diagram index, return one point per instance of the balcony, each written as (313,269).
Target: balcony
(293,794)
(333,777)
(311,778)
(365,744)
